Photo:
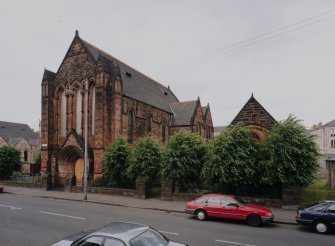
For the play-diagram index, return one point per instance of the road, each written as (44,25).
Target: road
(41,221)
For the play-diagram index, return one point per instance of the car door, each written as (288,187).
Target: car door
(231,209)
(213,206)
(331,214)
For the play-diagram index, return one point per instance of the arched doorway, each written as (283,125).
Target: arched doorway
(79,171)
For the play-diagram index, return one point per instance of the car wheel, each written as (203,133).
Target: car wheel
(321,226)
(201,214)
(254,220)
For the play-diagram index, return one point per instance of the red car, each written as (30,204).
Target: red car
(1,189)
(229,207)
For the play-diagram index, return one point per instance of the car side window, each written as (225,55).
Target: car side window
(92,241)
(227,200)
(214,200)
(149,238)
(319,207)
(113,242)
(202,199)
(331,208)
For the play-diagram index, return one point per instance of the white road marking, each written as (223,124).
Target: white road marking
(8,206)
(167,232)
(63,215)
(221,241)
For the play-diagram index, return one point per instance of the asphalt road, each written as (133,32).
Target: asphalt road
(27,220)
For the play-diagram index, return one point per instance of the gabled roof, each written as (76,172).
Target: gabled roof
(330,124)
(254,113)
(48,75)
(12,132)
(183,112)
(135,84)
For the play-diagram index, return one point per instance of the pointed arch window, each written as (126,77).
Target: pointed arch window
(163,131)
(93,110)
(130,126)
(63,114)
(25,155)
(79,112)
(149,123)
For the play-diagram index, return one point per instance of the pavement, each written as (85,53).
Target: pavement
(282,216)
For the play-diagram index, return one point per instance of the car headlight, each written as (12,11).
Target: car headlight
(268,214)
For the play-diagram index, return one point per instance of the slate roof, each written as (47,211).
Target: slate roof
(48,75)
(183,112)
(13,132)
(135,84)
(330,124)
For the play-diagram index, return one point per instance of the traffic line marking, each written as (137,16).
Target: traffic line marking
(8,206)
(63,215)
(243,244)
(167,232)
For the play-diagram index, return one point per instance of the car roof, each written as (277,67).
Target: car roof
(121,230)
(328,201)
(219,194)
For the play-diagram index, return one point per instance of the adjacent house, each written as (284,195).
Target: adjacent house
(252,114)
(121,102)
(325,138)
(25,140)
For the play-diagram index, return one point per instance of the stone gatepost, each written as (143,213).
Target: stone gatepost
(167,189)
(331,173)
(141,187)
(47,181)
(70,181)
(291,196)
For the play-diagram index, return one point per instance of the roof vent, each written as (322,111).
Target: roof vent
(127,73)
(165,93)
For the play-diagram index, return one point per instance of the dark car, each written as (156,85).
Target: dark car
(320,216)
(119,234)
(229,207)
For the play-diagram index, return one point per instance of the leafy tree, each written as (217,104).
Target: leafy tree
(183,159)
(38,159)
(9,161)
(145,158)
(232,159)
(115,164)
(292,154)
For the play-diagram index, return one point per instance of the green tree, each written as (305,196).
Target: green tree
(232,159)
(115,164)
(292,154)
(9,161)
(183,159)
(38,159)
(145,158)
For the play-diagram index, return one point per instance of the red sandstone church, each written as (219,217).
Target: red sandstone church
(122,102)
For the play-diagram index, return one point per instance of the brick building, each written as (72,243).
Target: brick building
(255,115)
(22,137)
(122,102)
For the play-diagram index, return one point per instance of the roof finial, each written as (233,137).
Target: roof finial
(252,94)
(77,33)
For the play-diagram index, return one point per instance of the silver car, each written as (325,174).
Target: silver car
(119,234)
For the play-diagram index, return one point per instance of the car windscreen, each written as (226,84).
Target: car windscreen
(149,238)
(240,200)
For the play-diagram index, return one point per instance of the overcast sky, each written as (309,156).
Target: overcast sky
(222,51)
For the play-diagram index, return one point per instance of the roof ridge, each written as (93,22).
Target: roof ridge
(184,101)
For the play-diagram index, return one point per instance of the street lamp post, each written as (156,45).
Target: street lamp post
(86,141)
